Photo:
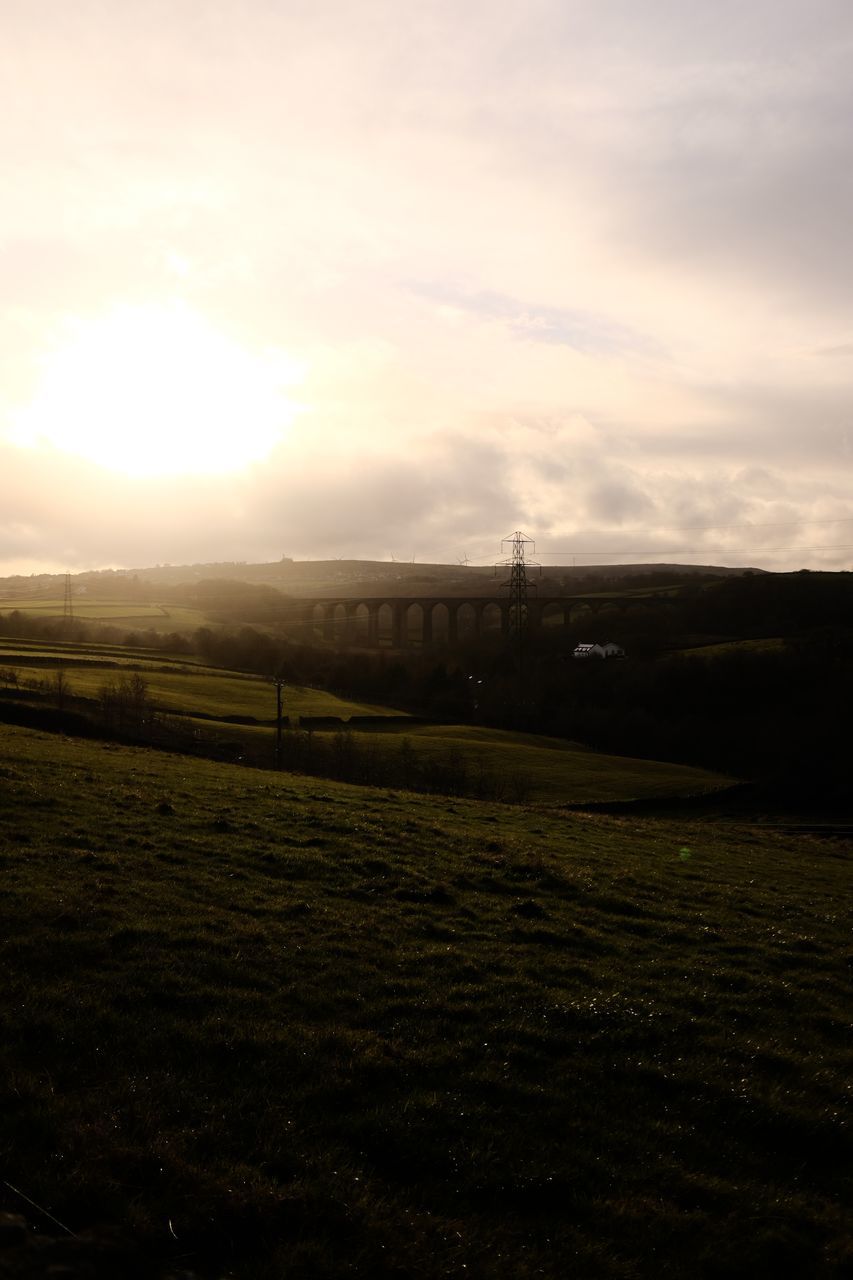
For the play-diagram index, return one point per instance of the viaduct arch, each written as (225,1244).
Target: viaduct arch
(402,621)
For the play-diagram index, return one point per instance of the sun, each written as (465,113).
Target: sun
(156,390)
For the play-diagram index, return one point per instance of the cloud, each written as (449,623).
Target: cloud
(843,349)
(583,331)
(548,265)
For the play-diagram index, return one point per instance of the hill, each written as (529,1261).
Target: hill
(74,687)
(267,1026)
(742,675)
(315,577)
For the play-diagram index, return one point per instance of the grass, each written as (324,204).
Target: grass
(630,593)
(556,771)
(131,613)
(772,644)
(552,770)
(312,1030)
(65,654)
(547,769)
(87,607)
(190,689)
(498,762)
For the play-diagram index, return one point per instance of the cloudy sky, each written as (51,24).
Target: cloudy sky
(374,278)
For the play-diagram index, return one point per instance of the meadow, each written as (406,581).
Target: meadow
(535,766)
(555,771)
(135,613)
(177,684)
(770,644)
(267,1026)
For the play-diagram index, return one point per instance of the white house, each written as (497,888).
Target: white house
(612,650)
(606,650)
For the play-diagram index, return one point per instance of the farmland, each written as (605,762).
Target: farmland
(547,769)
(192,689)
(135,614)
(556,771)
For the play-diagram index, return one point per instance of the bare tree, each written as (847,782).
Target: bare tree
(59,687)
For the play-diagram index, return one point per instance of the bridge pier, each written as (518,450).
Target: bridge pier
(350,624)
(339,619)
(399,629)
(426,625)
(373,626)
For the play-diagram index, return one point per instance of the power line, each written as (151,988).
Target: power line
(680,551)
(657,551)
(753,524)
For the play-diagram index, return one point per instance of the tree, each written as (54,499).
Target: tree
(59,687)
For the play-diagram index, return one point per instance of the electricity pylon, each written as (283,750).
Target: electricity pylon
(518,588)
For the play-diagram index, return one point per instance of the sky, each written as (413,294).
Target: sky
(369,278)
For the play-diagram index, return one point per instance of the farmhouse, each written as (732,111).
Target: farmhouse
(606,650)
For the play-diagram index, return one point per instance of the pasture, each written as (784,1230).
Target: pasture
(770,644)
(548,770)
(177,685)
(135,614)
(269,1026)
(553,771)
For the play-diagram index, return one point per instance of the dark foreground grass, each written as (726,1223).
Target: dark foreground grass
(272,1027)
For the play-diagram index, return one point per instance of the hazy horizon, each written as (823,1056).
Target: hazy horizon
(396,280)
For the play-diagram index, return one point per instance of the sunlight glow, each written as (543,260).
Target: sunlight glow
(156,390)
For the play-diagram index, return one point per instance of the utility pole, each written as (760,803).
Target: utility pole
(278,681)
(518,588)
(67,606)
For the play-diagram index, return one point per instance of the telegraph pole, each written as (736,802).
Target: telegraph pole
(68,607)
(279,685)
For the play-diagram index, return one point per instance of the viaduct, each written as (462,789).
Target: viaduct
(399,621)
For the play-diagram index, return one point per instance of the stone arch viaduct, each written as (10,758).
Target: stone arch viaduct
(400,621)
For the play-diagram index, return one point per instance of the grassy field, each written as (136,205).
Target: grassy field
(137,614)
(630,593)
(552,770)
(558,771)
(185,687)
(67,654)
(525,766)
(225,694)
(772,644)
(270,1026)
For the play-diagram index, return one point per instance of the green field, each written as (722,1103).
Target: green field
(135,614)
(219,694)
(267,1026)
(772,644)
(64,654)
(553,771)
(630,593)
(556,771)
(547,769)
(186,687)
